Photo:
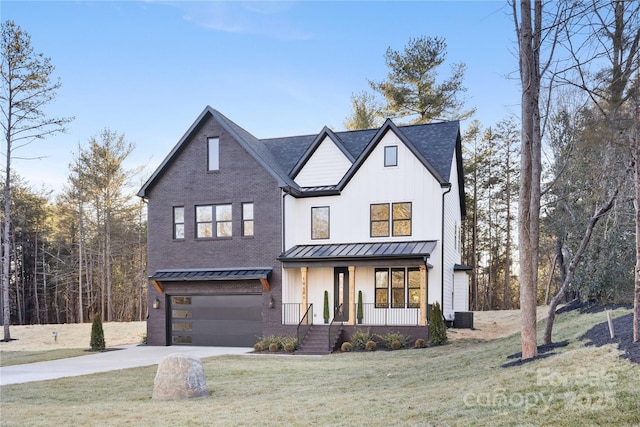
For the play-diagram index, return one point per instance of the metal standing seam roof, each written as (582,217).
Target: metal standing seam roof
(195,274)
(359,251)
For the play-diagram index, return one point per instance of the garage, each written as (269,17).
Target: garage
(211,306)
(215,320)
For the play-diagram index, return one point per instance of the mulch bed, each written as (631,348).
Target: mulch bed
(596,336)
(623,329)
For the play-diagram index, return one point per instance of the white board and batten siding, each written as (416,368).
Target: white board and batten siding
(327,166)
(455,290)
(349,212)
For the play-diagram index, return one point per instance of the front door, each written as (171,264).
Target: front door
(341,294)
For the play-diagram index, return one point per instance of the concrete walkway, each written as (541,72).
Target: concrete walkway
(128,356)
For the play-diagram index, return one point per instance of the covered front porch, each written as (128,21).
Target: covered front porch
(392,278)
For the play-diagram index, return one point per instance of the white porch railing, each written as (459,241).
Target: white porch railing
(372,316)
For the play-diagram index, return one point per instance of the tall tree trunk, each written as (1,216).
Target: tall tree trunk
(36,302)
(530,165)
(636,169)
(6,233)
(507,252)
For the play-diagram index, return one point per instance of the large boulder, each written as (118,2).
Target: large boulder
(179,376)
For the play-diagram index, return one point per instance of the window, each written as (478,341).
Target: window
(401,286)
(213,154)
(400,219)
(178,222)
(397,287)
(247,219)
(390,156)
(204,221)
(223,221)
(320,222)
(380,220)
(413,285)
(382,287)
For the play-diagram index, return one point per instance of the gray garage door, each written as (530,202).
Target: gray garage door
(216,320)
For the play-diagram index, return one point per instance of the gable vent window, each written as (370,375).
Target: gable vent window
(391,156)
(213,154)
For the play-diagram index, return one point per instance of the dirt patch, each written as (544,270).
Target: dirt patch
(74,335)
(490,325)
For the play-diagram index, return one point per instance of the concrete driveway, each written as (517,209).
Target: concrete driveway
(129,356)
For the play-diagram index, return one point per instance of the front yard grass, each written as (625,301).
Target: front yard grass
(461,383)
(8,358)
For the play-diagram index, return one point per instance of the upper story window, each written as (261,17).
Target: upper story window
(208,216)
(178,222)
(213,154)
(223,221)
(320,222)
(391,155)
(247,219)
(391,219)
(204,221)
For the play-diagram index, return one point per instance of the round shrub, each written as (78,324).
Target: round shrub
(289,347)
(396,345)
(370,346)
(257,347)
(420,343)
(346,347)
(273,347)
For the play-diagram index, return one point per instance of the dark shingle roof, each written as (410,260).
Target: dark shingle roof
(434,144)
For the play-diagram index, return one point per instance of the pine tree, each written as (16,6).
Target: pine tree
(97,334)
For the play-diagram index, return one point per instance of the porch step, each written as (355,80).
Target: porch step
(316,342)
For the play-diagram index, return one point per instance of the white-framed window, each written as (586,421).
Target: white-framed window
(213,154)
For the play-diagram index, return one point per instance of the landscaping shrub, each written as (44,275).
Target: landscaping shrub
(437,329)
(360,337)
(420,343)
(394,340)
(97,334)
(289,342)
(370,346)
(276,342)
(346,347)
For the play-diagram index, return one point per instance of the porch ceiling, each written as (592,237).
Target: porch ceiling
(359,251)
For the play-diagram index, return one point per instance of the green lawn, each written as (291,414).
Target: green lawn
(461,383)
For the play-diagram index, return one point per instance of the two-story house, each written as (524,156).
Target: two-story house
(246,235)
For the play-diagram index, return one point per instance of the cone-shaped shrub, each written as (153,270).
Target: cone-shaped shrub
(97,334)
(437,329)
(325,311)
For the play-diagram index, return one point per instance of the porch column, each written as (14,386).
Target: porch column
(423,296)
(352,295)
(304,271)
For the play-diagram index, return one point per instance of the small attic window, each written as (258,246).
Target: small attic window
(391,156)
(213,153)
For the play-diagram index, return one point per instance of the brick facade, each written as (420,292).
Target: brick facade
(186,182)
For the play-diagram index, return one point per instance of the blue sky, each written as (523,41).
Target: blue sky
(147,69)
